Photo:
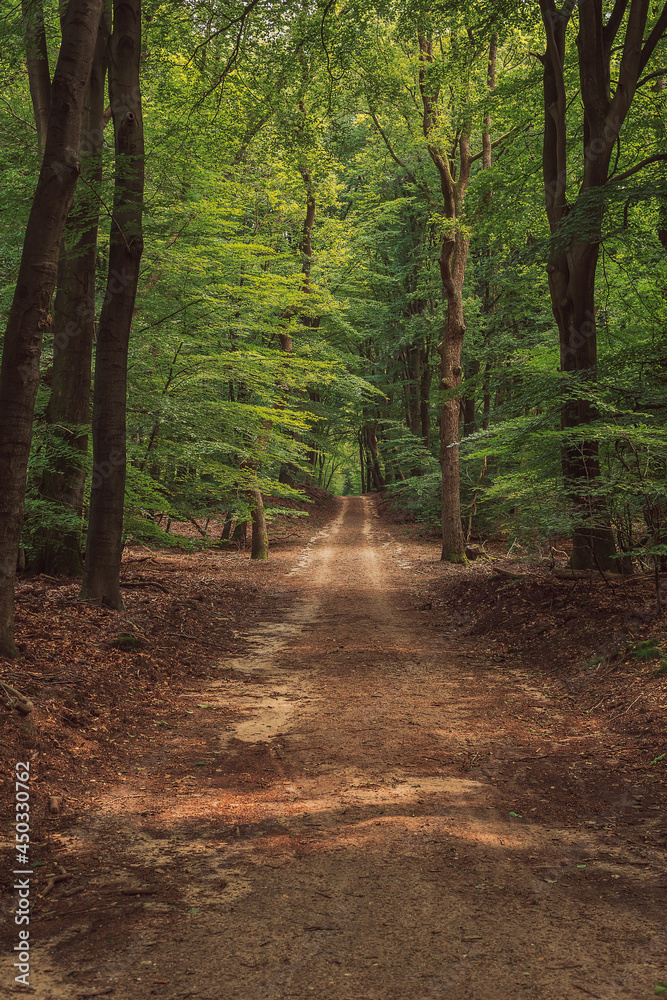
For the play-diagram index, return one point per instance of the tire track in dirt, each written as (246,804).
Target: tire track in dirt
(365,859)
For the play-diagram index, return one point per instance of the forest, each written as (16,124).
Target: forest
(418,248)
(333,498)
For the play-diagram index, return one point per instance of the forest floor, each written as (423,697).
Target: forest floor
(351,772)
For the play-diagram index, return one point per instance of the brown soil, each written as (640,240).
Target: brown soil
(362,774)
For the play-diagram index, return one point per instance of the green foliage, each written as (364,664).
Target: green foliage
(320,106)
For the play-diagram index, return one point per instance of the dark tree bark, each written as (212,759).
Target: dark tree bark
(29,314)
(73,331)
(362,463)
(104,545)
(37,63)
(575,249)
(425,397)
(374,458)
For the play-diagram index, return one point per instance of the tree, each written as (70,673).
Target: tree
(68,412)
(104,543)
(447,113)
(29,315)
(576,222)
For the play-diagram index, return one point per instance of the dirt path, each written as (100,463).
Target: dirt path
(353,812)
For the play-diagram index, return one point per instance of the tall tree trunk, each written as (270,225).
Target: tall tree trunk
(259,545)
(362,463)
(452,267)
(425,398)
(487,397)
(29,313)
(573,262)
(453,259)
(104,545)
(414,377)
(37,63)
(592,539)
(260,536)
(372,441)
(74,323)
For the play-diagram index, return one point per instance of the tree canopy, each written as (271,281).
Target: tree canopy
(410,247)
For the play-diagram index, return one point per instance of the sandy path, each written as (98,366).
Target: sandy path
(342,848)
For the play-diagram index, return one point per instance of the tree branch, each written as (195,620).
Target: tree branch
(656,158)
(613,24)
(652,76)
(500,140)
(397,159)
(649,45)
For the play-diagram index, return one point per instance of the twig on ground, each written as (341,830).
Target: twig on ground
(54,879)
(625,710)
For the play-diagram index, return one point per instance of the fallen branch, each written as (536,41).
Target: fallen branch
(625,710)
(16,700)
(143,583)
(510,574)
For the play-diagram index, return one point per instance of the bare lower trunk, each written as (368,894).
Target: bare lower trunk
(29,313)
(372,441)
(74,323)
(362,462)
(425,398)
(104,546)
(453,262)
(260,535)
(572,285)
(613,52)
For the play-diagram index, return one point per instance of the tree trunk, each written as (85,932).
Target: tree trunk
(260,536)
(74,323)
(29,313)
(240,533)
(227,527)
(574,257)
(372,441)
(592,538)
(453,259)
(362,463)
(452,265)
(414,359)
(104,546)
(37,63)
(425,398)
